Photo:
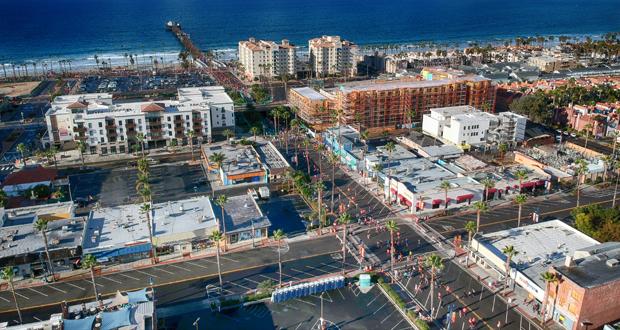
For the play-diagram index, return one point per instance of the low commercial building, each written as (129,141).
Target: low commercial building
(540,245)
(267,58)
(243,219)
(109,127)
(467,126)
(22,246)
(120,233)
(549,64)
(588,288)
(28,177)
(345,142)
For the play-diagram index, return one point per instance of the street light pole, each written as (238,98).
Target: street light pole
(253,233)
(151,284)
(322,320)
(195,324)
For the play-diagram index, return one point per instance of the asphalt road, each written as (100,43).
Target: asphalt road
(186,280)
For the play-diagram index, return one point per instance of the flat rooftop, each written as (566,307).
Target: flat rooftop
(269,155)
(23,238)
(119,226)
(369,85)
(540,245)
(592,269)
(29,214)
(240,213)
(310,93)
(239,159)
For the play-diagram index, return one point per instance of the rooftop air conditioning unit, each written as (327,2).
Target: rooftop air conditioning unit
(612,263)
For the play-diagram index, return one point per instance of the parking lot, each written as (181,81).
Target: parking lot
(102,84)
(112,187)
(344,308)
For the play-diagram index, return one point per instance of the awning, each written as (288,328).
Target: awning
(139,296)
(528,184)
(408,203)
(507,188)
(437,201)
(464,197)
(540,183)
(115,320)
(126,250)
(394,191)
(81,324)
(491,190)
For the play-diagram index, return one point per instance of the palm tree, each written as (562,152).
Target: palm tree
(488,183)
(217,158)
(445,186)
(51,153)
(389,147)
(8,274)
(22,150)
(221,201)
(344,220)
(320,148)
(319,186)
(140,137)
(470,227)
(216,237)
(81,147)
(228,133)
(278,236)
(549,278)
(392,227)
(587,128)
(190,138)
(90,262)
(510,252)
(306,145)
(41,226)
(333,159)
(146,209)
(521,175)
(255,130)
(520,199)
(275,113)
(435,263)
(3,198)
(580,172)
(607,161)
(480,207)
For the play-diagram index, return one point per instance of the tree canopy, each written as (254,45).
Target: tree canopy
(602,224)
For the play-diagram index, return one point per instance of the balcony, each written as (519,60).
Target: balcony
(110,126)
(79,129)
(130,124)
(178,120)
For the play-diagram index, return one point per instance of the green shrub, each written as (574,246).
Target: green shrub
(230,302)
(257,296)
(421,324)
(394,295)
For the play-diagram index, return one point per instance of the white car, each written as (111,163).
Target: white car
(573,135)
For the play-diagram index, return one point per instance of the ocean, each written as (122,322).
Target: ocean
(78,29)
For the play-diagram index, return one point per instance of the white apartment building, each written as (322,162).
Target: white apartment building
(332,55)
(108,127)
(266,58)
(466,125)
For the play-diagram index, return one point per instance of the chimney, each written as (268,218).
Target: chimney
(569,262)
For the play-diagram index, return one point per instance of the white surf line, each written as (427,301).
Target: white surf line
(75,286)
(57,289)
(109,279)
(37,291)
(127,276)
(179,267)
(145,273)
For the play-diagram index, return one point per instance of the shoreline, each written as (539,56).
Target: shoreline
(169,57)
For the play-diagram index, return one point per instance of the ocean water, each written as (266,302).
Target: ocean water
(79,29)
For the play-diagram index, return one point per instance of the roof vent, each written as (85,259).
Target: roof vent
(569,262)
(612,263)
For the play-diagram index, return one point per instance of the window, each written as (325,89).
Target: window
(90,125)
(102,140)
(169,118)
(169,133)
(100,132)
(100,124)
(186,117)
(139,121)
(122,138)
(120,123)
(169,125)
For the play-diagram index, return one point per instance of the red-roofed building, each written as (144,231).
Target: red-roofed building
(27,178)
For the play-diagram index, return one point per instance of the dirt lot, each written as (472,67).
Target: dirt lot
(17,89)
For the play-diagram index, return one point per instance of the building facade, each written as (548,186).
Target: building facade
(267,58)
(330,55)
(108,127)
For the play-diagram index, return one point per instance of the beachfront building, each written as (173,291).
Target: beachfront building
(267,58)
(467,126)
(387,105)
(331,55)
(109,127)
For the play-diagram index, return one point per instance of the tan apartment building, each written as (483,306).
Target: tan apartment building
(387,105)
(267,58)
(330,55)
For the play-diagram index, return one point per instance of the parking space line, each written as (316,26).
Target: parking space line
(179,267)
(373,300)
(269,278)
(57,289)
(389,315)
(91,283)
(326,272)
(39,292)
(197,265)
(207,260)
(145,273)
(291,276)
(328,265)
(399,322)
(306,302)
(109,279)
(251,280)
(239,285)
(1,297)
(379,308)
(161,269)
(229,259)
(75,286)
(21,295)
(301,271)
(127,276)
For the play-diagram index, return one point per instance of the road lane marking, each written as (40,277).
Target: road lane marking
(39,292)
(57,289)
(179,267)
(75,286)
(197,265)
(109,279)
(127,276)
(147,274)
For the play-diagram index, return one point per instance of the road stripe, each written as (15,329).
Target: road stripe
(39,292)
(75,286)
(109,279)
(251,280)
(269,278)
(373,300)
(57,289)
(179,267)
(305,302)
(197,265)
(91,283)
(145,273)
(127,276)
